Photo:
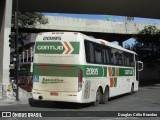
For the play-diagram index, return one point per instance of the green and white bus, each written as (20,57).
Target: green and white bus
(73,67)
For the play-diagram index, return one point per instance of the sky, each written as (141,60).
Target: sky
(109,17)
(104,17)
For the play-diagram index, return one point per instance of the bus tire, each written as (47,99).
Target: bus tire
(132,89)
(98,97)
(32,102)
(105,96)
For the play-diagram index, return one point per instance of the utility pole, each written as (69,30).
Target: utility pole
(16,51)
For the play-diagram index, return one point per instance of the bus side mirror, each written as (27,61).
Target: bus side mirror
(140,65)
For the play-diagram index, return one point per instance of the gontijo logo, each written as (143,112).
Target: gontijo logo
(64,47)
(47,47)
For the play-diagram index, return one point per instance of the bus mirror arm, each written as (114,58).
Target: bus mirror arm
(140,65)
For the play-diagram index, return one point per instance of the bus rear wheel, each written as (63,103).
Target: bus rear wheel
(132,89)
(34,103)
(98,97)
(105,96)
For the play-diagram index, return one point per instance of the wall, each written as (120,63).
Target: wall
(150,73)
(5,24)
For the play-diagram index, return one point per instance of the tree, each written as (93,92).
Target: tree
(147,44)
(28,20)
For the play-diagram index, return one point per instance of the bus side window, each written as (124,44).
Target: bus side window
(131,60)
(112,58)
(116,58)
(107,55)
(104,56)
(126,59)
(89,52)
(98,49)
(119,59)
(87,48)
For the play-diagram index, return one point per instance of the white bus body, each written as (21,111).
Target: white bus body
(72,67)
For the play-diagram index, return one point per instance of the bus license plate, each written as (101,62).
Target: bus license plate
(54,93)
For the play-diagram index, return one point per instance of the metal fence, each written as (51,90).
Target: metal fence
(150,73)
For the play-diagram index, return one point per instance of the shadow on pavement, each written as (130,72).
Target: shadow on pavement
(66,105)
(120,96)
(62,105)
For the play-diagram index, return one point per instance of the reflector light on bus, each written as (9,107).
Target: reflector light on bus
(80,76)
(43,67)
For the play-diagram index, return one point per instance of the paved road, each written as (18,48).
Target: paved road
(146,99)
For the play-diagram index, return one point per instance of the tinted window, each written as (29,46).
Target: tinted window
(89,52)
(98,49)
(128,59)
(107,55)
(100,54)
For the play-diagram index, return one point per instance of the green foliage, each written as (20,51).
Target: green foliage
(28,20)
(147,44)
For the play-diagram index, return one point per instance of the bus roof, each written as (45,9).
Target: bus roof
(110,44)
(93,39)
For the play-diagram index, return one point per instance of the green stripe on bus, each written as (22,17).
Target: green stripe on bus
(113,71)
(93,71)
(76,46)
(50,70)
(105,71)
(126,72)
(115,82)
(65,70)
